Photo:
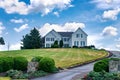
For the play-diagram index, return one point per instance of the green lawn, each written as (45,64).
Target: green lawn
(64,57)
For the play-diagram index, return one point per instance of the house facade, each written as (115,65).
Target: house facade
(70,39)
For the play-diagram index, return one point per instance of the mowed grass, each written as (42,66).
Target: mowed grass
(64,57)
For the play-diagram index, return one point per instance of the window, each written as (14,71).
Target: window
(65,39)
(81,35)
(66,45)
(77,43)
(47,39)
(52,39)
(82,43)
(47,45)
(77,35)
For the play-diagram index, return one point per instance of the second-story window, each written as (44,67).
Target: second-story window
(77,35)
(81,35)
(47,39)
(65,39)
(52,39)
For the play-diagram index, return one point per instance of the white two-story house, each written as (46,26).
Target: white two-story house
(70,39)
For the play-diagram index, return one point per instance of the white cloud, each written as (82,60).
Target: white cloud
(14,6)
(66,27)
(117,40)
(95,40)
(1,28)
(111,14)
(56,13)
(42,6)
(109,31)
(17,20)
(23,27)
(112,7)
(118,46)
(15,46)
(107,4)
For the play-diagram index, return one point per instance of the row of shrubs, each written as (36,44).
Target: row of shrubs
(17,63)
(20,63)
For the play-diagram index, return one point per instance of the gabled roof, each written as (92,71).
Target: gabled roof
(65,34)
(82,31)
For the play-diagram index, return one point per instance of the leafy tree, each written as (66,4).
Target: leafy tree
(61,43)
(55,45)
(32,40)
(2,41)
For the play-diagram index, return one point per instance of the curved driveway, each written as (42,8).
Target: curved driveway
(70,73)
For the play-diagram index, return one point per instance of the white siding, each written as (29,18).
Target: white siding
(50,35)
(79,36)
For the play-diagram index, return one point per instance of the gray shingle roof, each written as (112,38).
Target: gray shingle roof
(65,34)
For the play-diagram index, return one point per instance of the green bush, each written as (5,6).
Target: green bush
(20,63)
(101,76)
(47,64)
(1,64)
(36,59)
(102,65)
(6,63)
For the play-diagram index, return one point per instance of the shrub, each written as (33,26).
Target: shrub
(102,65)
(47,64)
(1,65)
(14,73)
(20,63)
(6,63)
(101,76)
(36,59)
(75,46)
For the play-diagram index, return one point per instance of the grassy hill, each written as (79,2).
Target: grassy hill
(64,57)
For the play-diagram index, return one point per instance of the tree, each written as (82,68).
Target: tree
(32,40)
(55,45)
(61,43)
(2,41)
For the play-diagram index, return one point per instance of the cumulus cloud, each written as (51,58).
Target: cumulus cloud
(111,14)
(112,7)
(14,6)
(23,27)
(107,4)
(17,20)
(1,28)
(109,31)
(95,40)
(66,27)
(42,6)
(15,46)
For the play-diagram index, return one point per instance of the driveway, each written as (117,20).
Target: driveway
(70,73)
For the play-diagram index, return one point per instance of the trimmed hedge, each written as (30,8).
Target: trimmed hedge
(102,65)
(20,63)
(6,63)
(36,59)
(47,64)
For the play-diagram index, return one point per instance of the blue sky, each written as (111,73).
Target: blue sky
(98,18)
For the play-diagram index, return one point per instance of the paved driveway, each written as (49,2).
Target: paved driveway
(70,73)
